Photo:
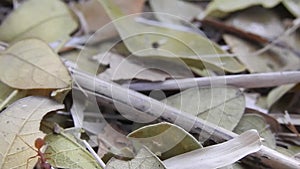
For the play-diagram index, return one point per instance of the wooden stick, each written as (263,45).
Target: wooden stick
(258,80)
(264,158)
(251,36)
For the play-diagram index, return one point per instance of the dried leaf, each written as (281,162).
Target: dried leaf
(221,8)
(63,151)
(96,17)
(22,120)
(277,93)
(221,106)
(187,10)
(115,142)
(49,20)
(272,60)
(164,139)
(132,67)
(260,21)
(254,121)
(31,64)
(219,155)
(145,159)
(150,40)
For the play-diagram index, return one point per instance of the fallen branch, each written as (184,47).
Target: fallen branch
(149,107)
(258,80)
(251,36)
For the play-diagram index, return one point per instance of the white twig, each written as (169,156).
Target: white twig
(98,159)
(258,80)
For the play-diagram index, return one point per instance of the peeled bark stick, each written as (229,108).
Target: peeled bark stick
(257,80)
(264,158)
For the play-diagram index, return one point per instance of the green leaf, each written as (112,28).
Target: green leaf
(254,121)
(20,123)
(63,151)
(221,106)
(32,64)
(145,159)
(221,8)
(164,139)
(49,20)
(148,40)
(278,92)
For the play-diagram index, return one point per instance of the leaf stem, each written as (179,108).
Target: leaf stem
(97,158)
(9,98)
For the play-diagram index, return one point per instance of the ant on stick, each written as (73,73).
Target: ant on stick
(42,161)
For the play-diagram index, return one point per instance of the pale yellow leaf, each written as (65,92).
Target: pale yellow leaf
(49,20)
(22,120)
(32,64)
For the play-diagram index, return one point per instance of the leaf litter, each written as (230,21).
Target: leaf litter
(220,39)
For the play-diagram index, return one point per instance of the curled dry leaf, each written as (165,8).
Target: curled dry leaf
(219,155)
(22,120)
(32,64)
(164,139)
(49,20)
(145,159)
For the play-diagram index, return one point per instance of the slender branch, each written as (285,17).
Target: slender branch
(95,155)
(258,80)
(9,98)
(248,35)
(234,31)
(150,107)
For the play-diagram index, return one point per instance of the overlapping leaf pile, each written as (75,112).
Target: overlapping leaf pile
(171,46)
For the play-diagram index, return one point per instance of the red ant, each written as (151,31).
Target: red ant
(42,161)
